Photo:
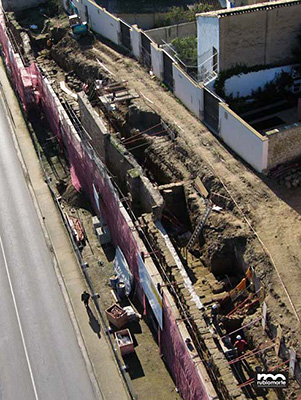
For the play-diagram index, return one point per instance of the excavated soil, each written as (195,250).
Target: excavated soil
(259,217)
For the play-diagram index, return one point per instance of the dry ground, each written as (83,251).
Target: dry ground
(273,211)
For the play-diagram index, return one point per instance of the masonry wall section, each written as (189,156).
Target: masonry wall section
(157,61)
(143,20)
(190,93)
(284,145)
(243,139)
(168,33)
(93,124)
(266,36)
(103,22)
(135,40)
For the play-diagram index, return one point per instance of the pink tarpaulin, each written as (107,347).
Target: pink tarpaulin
(19,73)
(179,360)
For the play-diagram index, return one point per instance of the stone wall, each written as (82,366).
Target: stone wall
(284,145)
(93,124)
(266,35)
(126,171)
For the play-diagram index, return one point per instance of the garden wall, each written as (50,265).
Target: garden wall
(243,84)
(284,144)
(168,33)
(190,93)
(157,61)
(243,139)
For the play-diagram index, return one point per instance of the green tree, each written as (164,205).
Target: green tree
(186,49)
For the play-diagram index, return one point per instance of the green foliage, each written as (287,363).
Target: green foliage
(179,15)
(187,49)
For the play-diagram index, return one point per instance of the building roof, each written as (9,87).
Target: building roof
(252,8)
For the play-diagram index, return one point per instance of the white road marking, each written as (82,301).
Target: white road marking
(19,321)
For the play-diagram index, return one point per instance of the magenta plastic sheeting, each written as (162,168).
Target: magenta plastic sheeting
(178,359)
(19,73)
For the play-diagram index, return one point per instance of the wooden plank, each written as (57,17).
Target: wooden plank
(201,188)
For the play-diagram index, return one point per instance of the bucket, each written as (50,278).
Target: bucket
(121,290)
(113,281)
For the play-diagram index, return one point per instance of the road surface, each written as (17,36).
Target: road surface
(39,354)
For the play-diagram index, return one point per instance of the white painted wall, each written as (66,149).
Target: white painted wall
(136,41)
(102,22)
(244,84)
(208,37)
(243,139)
(157,61)
(188,92)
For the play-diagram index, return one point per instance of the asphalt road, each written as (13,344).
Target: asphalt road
(39,354)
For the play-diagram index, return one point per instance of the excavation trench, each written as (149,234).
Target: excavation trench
(218,261)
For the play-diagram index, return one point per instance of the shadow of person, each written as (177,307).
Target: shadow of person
(93,322)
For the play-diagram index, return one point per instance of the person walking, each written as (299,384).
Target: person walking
(85,298)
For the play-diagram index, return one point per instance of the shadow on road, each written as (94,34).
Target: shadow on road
(93,322)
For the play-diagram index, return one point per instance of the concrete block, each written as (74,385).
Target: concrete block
(103,235)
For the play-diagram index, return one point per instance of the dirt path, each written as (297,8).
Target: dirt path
(272,211)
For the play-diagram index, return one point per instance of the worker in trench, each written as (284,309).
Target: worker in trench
(241,345)
(214,314)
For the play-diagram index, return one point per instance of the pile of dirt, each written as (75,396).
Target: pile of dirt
(72,196)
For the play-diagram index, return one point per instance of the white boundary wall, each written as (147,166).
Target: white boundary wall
(243,139)
(100,21)
(243,84)
(234,131)
(103,22)
(157,61)
(136,41)
(191,94)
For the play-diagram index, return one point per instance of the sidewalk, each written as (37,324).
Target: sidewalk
(101,365)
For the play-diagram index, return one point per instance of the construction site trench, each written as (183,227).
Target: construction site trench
(168,185)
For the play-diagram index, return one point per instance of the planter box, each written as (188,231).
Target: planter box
(125,342)
(117,316)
